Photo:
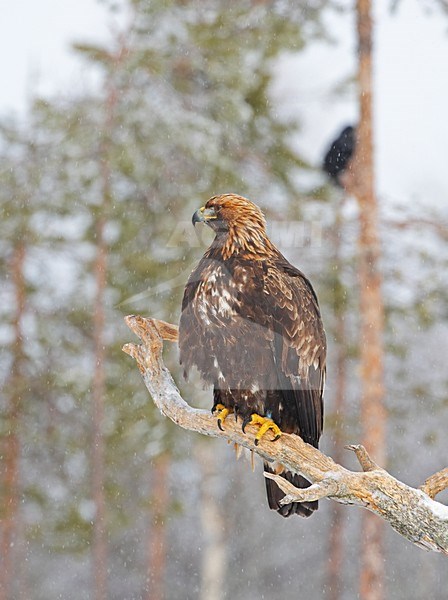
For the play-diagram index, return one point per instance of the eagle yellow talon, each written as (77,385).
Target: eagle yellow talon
(266,424)
(222,413)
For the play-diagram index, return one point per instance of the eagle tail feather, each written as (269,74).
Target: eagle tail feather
(275,494)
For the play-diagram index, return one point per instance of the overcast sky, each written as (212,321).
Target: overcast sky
(411,83)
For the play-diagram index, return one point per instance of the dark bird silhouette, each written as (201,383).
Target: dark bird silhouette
(251,325)
(339,154)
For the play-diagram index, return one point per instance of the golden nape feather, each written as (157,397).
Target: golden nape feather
(251,325)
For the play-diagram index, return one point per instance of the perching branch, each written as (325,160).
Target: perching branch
(436,483)
(412,512)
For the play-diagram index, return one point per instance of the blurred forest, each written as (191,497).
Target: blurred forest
(100,496)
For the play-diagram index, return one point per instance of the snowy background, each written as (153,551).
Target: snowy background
(274,557)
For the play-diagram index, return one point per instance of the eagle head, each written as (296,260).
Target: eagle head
(228,211)
(239,224)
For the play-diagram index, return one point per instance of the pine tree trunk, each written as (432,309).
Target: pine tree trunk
(11,441)
(157,537)
(100,546)
(373,414)
(99,525)
(100,550)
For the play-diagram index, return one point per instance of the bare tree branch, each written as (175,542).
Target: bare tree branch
(438,227)
(436,483)
(364,459)
(412,512)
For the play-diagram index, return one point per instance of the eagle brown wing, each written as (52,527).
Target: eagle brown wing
(299,351)
(299,345)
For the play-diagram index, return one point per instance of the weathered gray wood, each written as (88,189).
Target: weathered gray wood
(412,512)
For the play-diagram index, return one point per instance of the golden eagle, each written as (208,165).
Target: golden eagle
(251,325)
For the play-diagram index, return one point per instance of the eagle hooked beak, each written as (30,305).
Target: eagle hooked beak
(202,215)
